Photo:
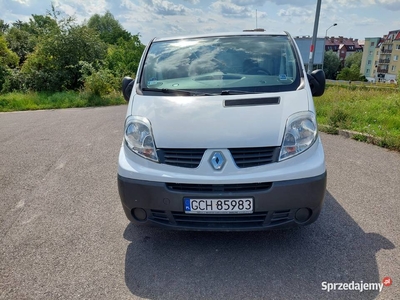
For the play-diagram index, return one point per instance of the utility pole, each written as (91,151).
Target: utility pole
(314,38)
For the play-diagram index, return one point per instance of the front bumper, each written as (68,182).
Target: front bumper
(280,204)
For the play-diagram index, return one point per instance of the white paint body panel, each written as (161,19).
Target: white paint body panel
(203,122)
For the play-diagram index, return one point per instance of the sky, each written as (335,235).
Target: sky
(158,18)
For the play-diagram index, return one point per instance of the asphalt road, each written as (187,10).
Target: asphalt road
(63,233)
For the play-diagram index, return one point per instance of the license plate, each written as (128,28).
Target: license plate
(218,206)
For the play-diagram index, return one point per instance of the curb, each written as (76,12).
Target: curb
(358,136)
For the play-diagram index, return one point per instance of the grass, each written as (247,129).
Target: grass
(44,100)
(369,111)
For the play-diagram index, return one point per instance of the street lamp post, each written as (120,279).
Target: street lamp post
(326,34)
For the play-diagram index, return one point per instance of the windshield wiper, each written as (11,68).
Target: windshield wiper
(237,92)
(177,92)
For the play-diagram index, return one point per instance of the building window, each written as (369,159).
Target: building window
(393,68)
(369,62)
(397,47)
(370,52)
(372,44)
(367,71)
(396,58)
(377,52)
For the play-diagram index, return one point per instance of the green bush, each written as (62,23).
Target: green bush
(101,82)
(14,82)
(98,80)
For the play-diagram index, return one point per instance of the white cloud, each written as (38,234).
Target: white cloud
(81,9)
(194,2)
(390,4)
(364,21)
(293,11)
(231,10)
(249,2)
(299,3)
(24,2)
(166,8)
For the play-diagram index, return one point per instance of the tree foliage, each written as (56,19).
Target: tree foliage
(331,64)
(8,59)
(351,70)
(55,64)
(3,26)
(353,60)
(124,57)
(352,74)
(52,53)
(21,42)
(110,30)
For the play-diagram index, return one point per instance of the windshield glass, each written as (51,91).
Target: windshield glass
(254,64)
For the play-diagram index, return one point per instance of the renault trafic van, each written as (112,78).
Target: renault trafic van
(221,134)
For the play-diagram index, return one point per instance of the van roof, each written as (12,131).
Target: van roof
(221,34)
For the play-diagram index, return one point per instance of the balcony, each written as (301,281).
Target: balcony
(384,61)
(387,51)
(382,70)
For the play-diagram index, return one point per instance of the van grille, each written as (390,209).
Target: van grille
(186,158)
(211,188)
(243,157)
(252,157)
(279,217)
(220,221)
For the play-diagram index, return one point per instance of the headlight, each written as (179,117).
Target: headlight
(300,134)
(139,137)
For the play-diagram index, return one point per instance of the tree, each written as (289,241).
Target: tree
(55,64)
(23,36)
(3,26)
(21,42)
(331,64)
(110,30)
(354,59)
(8,59)
(123,58)
(40,24)
(352,73)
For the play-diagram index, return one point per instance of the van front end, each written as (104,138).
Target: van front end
(221,135)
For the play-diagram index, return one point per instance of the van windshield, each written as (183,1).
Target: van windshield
(253,63)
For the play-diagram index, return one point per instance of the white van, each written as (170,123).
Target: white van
(221,134)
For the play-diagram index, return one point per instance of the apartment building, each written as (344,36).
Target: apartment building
(343,46)
(383,64)
(388,64)
(369,58)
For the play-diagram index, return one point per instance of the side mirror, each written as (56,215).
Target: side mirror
(127,85)
(317,82)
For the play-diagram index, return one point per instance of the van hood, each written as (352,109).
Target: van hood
(207,122)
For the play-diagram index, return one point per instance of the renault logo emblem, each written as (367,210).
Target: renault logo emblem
(217,160)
